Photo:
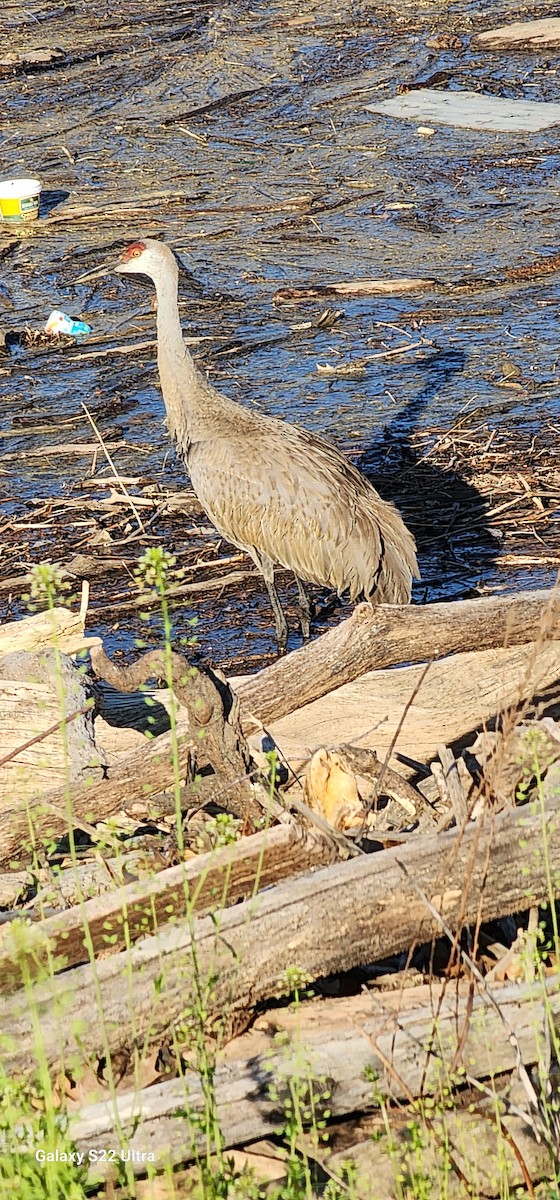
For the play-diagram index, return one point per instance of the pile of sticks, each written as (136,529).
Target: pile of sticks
(383,830)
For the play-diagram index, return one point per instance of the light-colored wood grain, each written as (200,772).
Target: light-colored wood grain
(375,638)
(326,921)
(121,916)
(59,627)
(341,1043)
(458,694)
(46,734)
(523,35)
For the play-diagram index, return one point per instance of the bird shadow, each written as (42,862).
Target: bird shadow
(445,512)
(51,199)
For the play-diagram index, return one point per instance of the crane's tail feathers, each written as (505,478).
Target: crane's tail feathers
(391,582)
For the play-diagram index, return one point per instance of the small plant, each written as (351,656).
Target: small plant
(47,587)
(294,980)
(221,830)
(38,1161)
(156,570)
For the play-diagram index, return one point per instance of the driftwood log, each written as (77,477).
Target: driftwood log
(36,691)
(412,1043)
(327,921)
(373,638)
(413,710)
(522,35)
(212,734)
(38,632)
(118,918)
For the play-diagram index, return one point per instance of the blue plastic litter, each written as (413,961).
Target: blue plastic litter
(59,322)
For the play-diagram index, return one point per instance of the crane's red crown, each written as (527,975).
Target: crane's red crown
(133,251)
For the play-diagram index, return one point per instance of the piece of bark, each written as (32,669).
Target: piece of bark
(330,788)
(422,1033)
(387,782)
(118,918)
(327,921)
(523,35)
(454,787)
(390,634)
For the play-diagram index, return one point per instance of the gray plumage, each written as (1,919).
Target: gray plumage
(283,495)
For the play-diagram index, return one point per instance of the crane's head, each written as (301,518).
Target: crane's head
(147,257)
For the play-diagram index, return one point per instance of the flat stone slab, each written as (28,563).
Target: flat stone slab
(524,35)
(470,110)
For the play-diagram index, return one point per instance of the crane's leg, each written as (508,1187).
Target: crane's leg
(305,608)
(281,626)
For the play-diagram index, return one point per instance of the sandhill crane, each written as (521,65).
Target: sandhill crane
(283,495)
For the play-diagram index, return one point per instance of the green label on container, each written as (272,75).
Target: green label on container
(29,202)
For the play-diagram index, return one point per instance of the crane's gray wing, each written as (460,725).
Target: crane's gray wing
(293,497)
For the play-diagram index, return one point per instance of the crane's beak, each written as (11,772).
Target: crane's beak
(97,274)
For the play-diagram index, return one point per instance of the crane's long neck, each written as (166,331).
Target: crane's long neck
(182,386)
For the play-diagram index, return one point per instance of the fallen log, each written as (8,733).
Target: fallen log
(506,1157)
(543,34)
(136,777)
(411,711)
(58,626)
(388,635)
(106,924)
(413,1043)
(47,730)
(327,921)
(385,635)
(358,287)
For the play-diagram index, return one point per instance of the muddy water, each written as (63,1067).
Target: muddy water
(240,135)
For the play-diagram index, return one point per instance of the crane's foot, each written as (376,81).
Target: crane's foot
(280,622)
(282,640)
(306,610)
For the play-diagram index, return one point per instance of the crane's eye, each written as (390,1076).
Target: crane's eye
(136,253)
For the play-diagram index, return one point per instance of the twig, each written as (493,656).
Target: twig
(113,467)
(377,785)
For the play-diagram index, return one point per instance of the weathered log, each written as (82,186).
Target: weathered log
(47,732)
(523,35)
(430,1037)
(358,287)
(387,635)
(327,921)
(118,918)
(474,1153)
(136,777)
(411,710)
(90,878)
(59,627)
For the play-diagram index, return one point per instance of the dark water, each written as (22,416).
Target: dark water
(147,128)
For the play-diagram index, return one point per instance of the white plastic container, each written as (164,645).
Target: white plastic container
(19,199)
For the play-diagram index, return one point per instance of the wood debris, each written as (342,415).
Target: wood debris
(281,892)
